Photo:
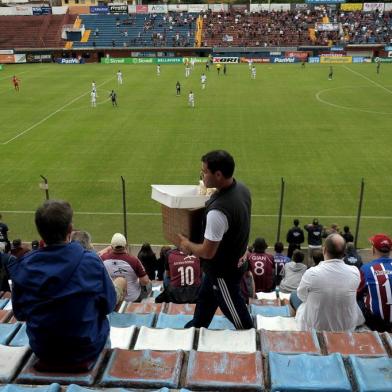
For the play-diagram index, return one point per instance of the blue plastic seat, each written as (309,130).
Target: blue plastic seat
(18,388)
(372,374)
(270,311)
(304,372)
(7,331)
(123,320)
(175,321)
(21,338)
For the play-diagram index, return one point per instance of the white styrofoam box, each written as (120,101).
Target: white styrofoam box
(166,339)
(178,196)
(227,341)
(277,323)
(121,337)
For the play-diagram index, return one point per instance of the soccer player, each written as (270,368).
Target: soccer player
(303,64)
(113,97)
(218,68)
(203,79)
(330,75)
(119,77)
(207,65)
(187,70)
(191,99)
(192,63)
(178,88)
(224,69)
(15,82)
(94,88)
(93,99)
(253,72)
(378,67)
(250,64)
(158,70)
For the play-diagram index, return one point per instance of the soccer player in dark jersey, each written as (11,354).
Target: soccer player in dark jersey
(178,88)
(378,67)
(113,97)
(15,82)
(330,75)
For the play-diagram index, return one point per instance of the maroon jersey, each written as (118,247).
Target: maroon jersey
(184,269)
(262,266)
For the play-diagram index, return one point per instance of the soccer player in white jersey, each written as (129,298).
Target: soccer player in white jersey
(203,79)
(193,63)
(94,88)
(93,99)
(191,99)
(253,72)
(187,70)
(158,70)
(119,77)
(250,63)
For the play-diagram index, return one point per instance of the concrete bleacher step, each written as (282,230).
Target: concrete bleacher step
(304,372)
(293,342)
(225,371)
(20,388)
(165,339)
(29,375)
(277,323)
(143,368)
(355,343)
(269,311)
(121,320)
(227,341)
(11,359)
(5,315)
(121,337)
(372,373)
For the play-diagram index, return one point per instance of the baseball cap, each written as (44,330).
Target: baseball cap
(118,241)
(381,242)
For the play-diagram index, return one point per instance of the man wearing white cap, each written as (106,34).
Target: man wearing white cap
(118,262)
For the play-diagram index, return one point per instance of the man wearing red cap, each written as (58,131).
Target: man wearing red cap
(375,290)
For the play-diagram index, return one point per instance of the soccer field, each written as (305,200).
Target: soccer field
(321,136)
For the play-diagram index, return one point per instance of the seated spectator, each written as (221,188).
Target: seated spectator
(351,256)
(5,259)
(83,237)
(64,294)
(326,297)
(318,257)
(280,261)
(293,272)
(375,291)
(119,263)
(18,249)
(161,262)
(183,278)
(147,256)
(348,237)
(34,245)
(262,266)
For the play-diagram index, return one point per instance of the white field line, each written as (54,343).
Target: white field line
(52,114)
(253,215)
(368,79)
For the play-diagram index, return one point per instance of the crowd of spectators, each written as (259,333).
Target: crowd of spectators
(333,291)
(295,28)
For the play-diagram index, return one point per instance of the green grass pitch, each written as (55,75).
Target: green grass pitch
(321,136)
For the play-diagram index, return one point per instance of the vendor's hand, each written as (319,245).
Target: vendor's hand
(184,243)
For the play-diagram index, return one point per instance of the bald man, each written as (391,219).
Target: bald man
(328,292)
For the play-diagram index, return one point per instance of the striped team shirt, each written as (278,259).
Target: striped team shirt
(376,285)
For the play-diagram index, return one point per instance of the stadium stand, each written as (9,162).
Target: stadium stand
(156,30)
(43,31)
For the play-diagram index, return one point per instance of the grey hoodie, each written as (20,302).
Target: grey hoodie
(292,274)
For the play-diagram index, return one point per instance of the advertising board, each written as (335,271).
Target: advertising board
(336,60)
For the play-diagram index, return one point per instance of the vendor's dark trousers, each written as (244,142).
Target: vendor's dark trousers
(225,294)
